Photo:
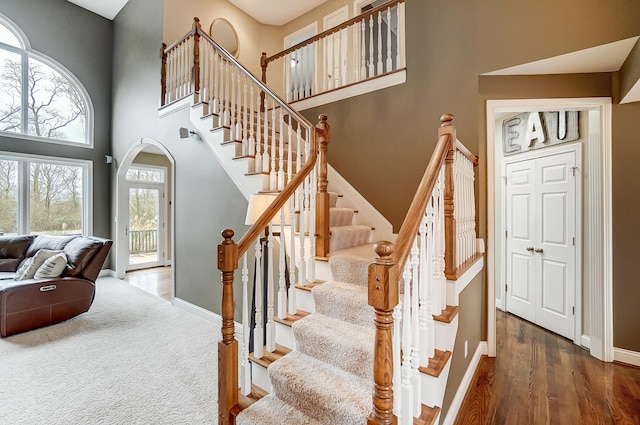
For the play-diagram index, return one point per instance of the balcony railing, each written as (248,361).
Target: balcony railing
(143,241)
(368,46)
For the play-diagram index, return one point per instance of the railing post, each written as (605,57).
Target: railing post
(228,346)
(196,59)
(263,65)
(449,219)
(383,297)
(163,74)
(323,132)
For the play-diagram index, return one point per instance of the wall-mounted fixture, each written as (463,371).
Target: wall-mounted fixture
(108,159)
(185,133)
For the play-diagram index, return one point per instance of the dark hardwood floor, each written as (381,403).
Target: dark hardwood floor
(541,378)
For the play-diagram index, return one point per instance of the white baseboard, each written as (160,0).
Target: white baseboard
(210,316)
(626,356)
(107,273)
(499,304)
(481,350)
(585,341)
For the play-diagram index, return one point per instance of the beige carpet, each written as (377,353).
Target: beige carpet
(131,359)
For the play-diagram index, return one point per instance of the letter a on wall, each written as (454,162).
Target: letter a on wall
(534,132)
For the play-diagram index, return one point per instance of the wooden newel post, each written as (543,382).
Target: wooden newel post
(228,346)
(263,65)
(197,28)
(323,133)
(163,74)
(383,297)
(449,220)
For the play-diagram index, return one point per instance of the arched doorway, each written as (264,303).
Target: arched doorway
(146,172)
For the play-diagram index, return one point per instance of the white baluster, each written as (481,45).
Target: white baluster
(400,37)
(281,154)
(442,289)
(290,169)
(266,152)
(312,222)
(238,126)
(232,111)
(407,383)
(370,60)
(245,367)
(258,338)
(363,49)
(379,63)
(252,140)
(389,60)
(273,174)
(397,361)
(257,163)
(271,325)
(340,80)
(292,257)
(225,101)
(246,149)
(425,313)
(415,337)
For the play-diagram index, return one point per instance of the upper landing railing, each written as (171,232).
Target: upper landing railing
(368,46)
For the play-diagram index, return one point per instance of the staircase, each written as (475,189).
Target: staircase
(355,332)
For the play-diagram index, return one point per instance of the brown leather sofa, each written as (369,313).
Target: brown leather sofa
(33,303)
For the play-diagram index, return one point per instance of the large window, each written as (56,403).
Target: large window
(44,196)
(40,99)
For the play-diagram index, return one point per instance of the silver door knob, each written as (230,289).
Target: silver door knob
(529,248)
(539,250)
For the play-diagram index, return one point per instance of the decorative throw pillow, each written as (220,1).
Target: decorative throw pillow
(52,266)
(23,267)
(37,260)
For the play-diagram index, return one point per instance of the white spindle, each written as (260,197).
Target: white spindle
(216,87)
(258,159)
(400,37)
(246,150)
(397,361)
(379,63)
(290,169)
(238,124)
(415,337)
(406,392)
(225,101)
(252,140)
(258,338)
(292,257)
(273,173)
(442,281)
(370,60)
(281,154)
(340,81)
(265,137)
(307,71)
(425,320)
(245,367)
(363,50)
(232,112)
(389,60)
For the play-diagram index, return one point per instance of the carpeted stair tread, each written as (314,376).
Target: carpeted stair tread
(344,301)
(340,216)
(366,251)
(341,344)
(350,269)
(270,410)
(326,393)
(348,236)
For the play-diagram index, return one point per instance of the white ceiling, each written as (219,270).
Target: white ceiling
(276,12)
(272,12)
(107,8)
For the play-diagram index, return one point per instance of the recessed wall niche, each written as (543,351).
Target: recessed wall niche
(223,33)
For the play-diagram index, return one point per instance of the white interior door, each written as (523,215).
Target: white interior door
(541,253)
(336,46)
(145,229)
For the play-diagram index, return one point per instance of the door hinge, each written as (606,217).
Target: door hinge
(573,310)
(506,287)
(574,241)
(506,233)
(573,171)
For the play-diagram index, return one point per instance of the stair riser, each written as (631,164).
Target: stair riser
(446,334)
(304,301)
(284,336)
(260,377)
(433,388)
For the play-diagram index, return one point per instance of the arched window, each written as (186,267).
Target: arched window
(40,99)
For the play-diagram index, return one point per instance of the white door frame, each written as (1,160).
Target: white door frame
(576,148)
(122,205)
(597,226)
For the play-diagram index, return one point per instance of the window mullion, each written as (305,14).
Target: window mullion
(24,190)
(25,95)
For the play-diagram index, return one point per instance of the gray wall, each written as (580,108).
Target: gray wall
(82,42)
(206,200)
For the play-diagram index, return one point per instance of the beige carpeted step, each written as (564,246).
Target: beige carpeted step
(333,199)
(340,216)
(341,344)
(270,410)
(350,269)
(328,394)
(348,236)
(344,301)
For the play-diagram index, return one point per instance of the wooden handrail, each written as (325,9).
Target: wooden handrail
(467,153)
(332,30)
(410,226)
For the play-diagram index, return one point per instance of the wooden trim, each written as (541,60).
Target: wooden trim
(333,30)
(466,152)
(163,74)
(322,197)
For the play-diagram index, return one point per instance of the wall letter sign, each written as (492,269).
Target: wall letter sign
(534,130)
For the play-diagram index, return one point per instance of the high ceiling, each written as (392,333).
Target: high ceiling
(272,12)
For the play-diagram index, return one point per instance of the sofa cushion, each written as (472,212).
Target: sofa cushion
(12,251)
(29,268)
(79,252)
(52,267)
(50,242)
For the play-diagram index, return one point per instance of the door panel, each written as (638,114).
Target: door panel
(556,190)
(541,219)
